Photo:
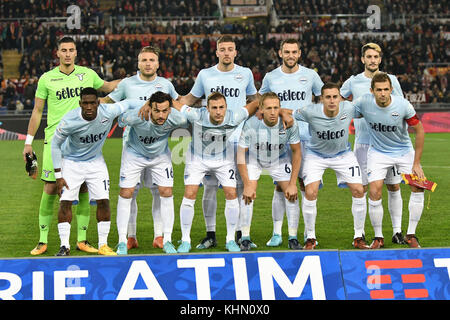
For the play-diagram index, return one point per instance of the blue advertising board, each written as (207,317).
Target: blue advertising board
(238,276)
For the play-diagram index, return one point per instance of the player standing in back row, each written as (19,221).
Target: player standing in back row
(141,86)
(237,85)
(60,90)
(295,85)
(352,89)
(388,118)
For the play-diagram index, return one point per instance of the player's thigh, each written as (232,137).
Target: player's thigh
(393,176)
(360,151)
(226,174)
(280,171)
(48,173)
(162,171)
(254,171)
(131,167)
(97,179)
(347,169)
(313,168)
(74,174)
(194,172)
(405,163)
(378,165)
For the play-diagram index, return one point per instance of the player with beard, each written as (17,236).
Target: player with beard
(353,88)
(295,85)
(237,85)
(141,86)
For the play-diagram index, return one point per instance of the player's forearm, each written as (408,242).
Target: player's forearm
(419,142)
(36,117)
(106,99)
(243,171)
(296,163)
(109,86)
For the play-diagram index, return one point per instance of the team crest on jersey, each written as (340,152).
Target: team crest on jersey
(80,76)
(303,80)
(46,173)
(238,77)
(104,120)
(282,131)
(343,117)
(395,115)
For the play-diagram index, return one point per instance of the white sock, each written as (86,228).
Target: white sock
(186,217)
(395,206)
(278,209)
(231,217)
(376,217)
(293,216)
(209,204)
(309,209)
(103,232)
(64,233)
(416,204)
(359,211)
(123,216)
(240,192)
(168,217)
(131,231)
(245,217)
(156,212)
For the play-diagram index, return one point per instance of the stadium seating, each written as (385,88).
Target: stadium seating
(330,45)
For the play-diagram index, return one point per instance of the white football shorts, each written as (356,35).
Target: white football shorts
(393,176)
(131,167)
(379,165)
(94,173)
(224,171)
(345,166)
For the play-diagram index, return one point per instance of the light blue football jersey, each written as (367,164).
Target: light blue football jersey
(387,127)
(209,141)
(357,86)
(147,139)
(329,136)
(267,144)
(136,88)
(295,90)
(80,140)
(235,85)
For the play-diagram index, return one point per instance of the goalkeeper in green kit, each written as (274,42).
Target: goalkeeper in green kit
(60,88)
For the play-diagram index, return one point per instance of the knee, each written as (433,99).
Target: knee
(126,193)
(358,191)
(165,192)
(393,187)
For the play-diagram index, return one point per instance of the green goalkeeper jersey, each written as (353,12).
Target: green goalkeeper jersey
(62,92)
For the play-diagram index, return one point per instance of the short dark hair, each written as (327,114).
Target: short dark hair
(225,38)
(65,40)
(329,85)
(215,96)
(380,77)
(88,91)
(290,41)
(160,97)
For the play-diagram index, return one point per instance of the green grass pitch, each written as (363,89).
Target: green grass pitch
(20,197)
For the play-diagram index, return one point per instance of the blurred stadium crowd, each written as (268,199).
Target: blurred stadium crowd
(422,41)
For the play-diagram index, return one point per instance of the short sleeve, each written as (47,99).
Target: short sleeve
(317,85)
(42,91)
(197,89)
